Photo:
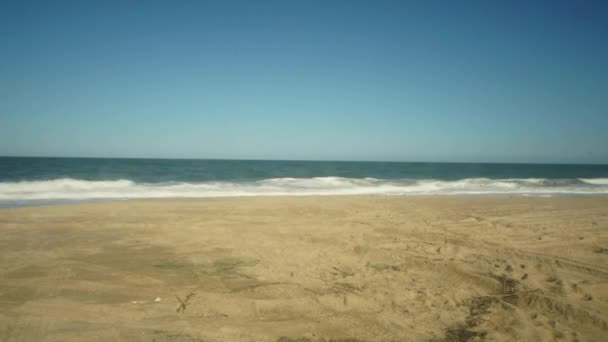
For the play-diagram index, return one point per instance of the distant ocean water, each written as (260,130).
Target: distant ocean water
(32,181)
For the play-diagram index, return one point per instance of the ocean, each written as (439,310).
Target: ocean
(34,181)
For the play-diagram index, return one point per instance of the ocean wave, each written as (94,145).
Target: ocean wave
(595,181)
(77,189)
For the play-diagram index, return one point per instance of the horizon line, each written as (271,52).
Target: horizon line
(309,160)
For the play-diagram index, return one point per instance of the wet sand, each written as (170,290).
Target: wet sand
(353,268)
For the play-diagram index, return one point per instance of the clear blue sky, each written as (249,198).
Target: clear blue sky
(505,81)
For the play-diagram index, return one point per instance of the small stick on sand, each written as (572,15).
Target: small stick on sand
(184,303)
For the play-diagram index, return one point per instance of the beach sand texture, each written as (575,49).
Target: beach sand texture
(353,268)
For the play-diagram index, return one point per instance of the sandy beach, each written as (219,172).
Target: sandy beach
(353,268)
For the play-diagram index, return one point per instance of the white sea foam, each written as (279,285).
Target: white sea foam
(75,189)
(595,181)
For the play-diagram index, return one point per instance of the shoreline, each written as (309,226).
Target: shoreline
(307,268)
(71,202)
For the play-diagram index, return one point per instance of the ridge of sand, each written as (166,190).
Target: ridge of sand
(353,268)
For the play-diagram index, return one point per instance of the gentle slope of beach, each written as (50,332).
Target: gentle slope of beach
(353,268)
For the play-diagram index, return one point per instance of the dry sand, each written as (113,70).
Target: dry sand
(356,268)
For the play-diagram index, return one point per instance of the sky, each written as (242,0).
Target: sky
(454,81)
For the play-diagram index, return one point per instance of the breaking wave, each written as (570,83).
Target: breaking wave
(76,189)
